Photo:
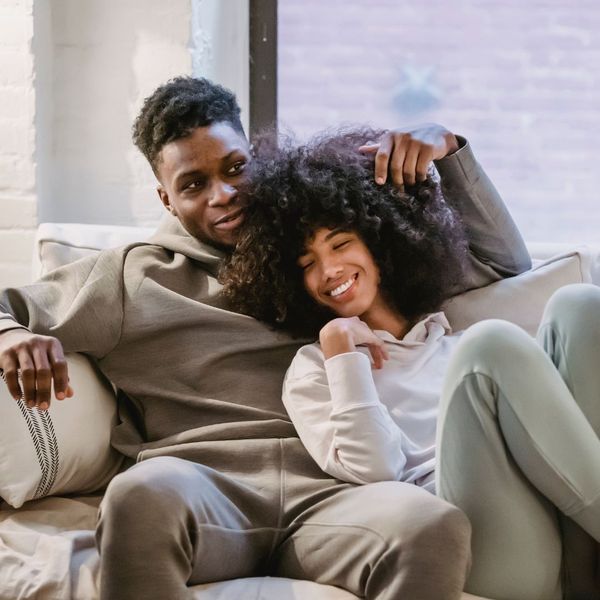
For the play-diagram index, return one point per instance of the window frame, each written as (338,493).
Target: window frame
(262,65)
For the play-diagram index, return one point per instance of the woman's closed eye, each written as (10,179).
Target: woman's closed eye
(305,264)
(338,245)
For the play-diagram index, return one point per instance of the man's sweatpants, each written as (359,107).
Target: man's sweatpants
(168,523)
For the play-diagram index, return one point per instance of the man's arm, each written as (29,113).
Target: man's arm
(496,247)
(76,308)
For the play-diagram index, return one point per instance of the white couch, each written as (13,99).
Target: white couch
(47,547)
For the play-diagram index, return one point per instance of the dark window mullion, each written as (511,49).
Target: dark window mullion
(263,65)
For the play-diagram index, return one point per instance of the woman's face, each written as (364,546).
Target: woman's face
(340,273)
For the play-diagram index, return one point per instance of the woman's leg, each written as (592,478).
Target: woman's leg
(512,443)
(570,334)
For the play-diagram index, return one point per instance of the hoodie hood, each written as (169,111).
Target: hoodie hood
(171,235)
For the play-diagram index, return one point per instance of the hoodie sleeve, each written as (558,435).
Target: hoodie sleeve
(497,249)
(341,421)
(81,304)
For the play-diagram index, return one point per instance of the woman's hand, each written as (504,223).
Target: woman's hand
(343,335)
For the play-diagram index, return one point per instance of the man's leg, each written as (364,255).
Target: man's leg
(513,444)
(167,522)
(570,334)
(381,541)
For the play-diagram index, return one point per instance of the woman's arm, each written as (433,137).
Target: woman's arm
(340,419)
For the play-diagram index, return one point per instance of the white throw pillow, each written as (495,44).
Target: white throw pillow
(63,450)
(520,299)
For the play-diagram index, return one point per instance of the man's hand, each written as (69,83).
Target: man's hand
(407,153)
(41,360)
(344,334)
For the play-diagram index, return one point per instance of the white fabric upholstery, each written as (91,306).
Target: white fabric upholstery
(46,547)
(64,450)
(520,299)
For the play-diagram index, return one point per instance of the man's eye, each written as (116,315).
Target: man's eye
(237,168)
(194,185)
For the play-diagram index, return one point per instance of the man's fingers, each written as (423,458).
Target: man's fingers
(40,361)
(382,158)
(27,366)
(43,377)
(60,372)
(11,376)
(423,162)
(369,148)
(410,163)
(401,145)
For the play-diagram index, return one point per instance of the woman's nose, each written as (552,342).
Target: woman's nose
(332,270)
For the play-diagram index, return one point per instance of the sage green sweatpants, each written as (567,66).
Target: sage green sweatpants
(519,450)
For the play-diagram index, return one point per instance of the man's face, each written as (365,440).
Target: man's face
(199,177)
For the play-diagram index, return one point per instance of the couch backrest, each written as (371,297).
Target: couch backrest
(518,299)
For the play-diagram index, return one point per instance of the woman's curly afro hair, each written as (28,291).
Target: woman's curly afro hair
(416,239)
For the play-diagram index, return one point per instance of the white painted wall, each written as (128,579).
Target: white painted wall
(18,214)
(104,57)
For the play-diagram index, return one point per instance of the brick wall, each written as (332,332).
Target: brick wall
(17,146)
(520,79)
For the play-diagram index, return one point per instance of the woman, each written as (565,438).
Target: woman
(366,268)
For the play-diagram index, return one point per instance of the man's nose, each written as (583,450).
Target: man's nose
(221,193)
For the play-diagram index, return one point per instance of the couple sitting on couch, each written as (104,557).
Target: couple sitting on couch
(322,247)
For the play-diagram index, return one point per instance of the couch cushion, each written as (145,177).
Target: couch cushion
(63,450)
(520,299)
(59,244)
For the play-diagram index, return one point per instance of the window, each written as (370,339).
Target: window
(519,80)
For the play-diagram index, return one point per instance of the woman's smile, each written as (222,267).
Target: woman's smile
(342,291)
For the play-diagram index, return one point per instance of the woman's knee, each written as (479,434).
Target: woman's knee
(573,305)
(488,344)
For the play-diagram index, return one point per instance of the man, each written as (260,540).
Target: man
(223,488)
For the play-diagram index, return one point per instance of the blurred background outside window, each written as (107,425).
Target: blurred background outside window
(520,80)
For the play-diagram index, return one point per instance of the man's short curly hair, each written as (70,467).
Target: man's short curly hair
(178,107)
(416,239)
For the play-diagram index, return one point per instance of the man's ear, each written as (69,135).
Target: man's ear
(164,198)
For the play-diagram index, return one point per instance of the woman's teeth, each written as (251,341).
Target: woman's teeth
(340,289)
